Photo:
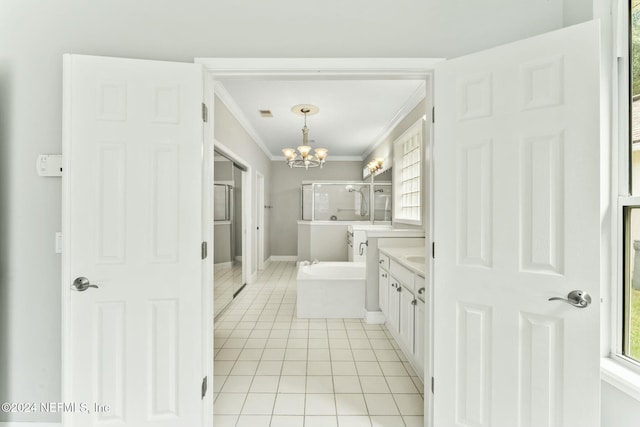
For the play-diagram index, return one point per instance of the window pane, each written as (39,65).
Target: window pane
(632,283)
(635,95)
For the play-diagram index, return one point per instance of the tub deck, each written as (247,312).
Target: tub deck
(329,290)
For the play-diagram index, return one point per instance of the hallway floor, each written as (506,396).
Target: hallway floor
(274,370)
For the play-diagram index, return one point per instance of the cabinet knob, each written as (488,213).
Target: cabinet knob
(384,274)
(398,288)
(381,261)
(414,302)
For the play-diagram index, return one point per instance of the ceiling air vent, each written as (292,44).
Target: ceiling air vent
(265,113)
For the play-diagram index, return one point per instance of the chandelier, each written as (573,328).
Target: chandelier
(304,159)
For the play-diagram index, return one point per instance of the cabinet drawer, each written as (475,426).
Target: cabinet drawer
(403,274)
(383,261)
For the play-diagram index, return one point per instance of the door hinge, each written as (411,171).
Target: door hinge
(204,387)
(433,250)
(205,112)
(432,385)
(204,250)
(433,114)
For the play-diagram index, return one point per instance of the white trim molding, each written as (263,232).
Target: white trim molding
(28,424)
(266,263)
(620,377)
(283,258)
(319,67)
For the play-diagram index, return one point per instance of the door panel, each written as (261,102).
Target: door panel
(517,221)
(132,213)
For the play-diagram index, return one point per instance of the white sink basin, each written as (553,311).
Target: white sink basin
(416,258)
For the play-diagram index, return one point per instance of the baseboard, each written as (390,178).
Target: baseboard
(227,264)
(374,317)
(283,258)
(266,263)
(27,424)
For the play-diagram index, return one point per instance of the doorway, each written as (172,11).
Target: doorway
(228,222)
(219,69)
(260,214)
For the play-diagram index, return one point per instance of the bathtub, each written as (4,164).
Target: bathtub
(331,290)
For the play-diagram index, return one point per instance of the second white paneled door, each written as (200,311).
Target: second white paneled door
(517,221)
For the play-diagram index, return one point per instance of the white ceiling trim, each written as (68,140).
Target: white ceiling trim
(235,110)
(320,67)
(415,98)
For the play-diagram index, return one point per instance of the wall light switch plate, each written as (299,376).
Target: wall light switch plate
(49,165)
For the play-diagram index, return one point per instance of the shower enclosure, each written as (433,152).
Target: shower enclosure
(346,201)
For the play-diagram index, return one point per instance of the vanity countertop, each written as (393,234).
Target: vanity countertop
(395,232)
(403,256)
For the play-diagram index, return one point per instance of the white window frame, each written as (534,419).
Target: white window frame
(400,168)
(617,369)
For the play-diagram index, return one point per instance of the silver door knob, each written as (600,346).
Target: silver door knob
(81,284)
(576,298)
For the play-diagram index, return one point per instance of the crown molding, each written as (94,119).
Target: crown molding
(221,92)
(412,102)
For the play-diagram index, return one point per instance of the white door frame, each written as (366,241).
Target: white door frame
(322,69)
(260,221)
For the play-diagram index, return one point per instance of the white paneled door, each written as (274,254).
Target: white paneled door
(133,351)
(517,221)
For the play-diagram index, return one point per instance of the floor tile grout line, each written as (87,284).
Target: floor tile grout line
(266,296)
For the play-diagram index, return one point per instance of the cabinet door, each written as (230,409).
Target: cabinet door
(393,319)
(420,332)
(406,319)
(383,291)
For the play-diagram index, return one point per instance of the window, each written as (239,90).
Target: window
(407,175)
(630,202)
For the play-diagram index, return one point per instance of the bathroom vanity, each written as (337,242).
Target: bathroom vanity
(401,293)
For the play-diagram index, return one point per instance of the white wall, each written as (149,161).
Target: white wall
(618,408)
(33,36)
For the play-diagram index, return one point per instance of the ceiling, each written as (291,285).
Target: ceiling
(354,115)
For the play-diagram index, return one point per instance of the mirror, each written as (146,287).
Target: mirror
(227,223)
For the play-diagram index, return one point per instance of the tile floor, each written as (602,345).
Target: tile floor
(274,370)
